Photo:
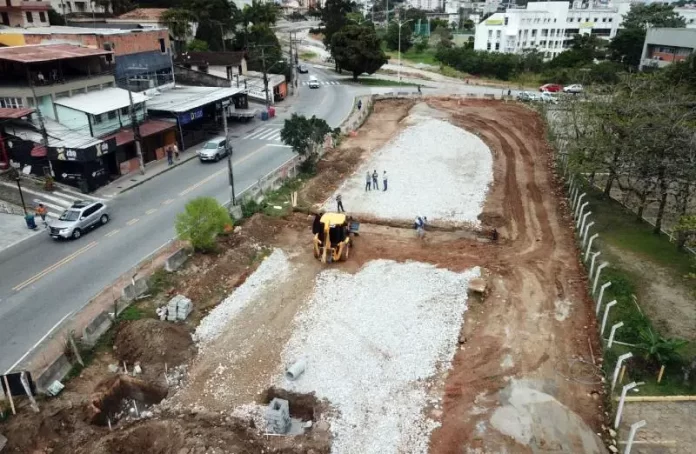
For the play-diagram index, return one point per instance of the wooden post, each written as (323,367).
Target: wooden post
(9,395)
(621,376)
(659,376)
(75,350)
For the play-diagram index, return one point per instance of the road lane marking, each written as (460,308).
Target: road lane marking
(112,233)
(54,267)
(151,210)
(132,221)
(167,202)
(50,331)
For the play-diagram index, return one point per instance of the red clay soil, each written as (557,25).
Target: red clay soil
(533,266)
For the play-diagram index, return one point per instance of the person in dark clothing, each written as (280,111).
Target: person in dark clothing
(170,156)
(384,180)
(359,104)
(316,225)
(339,204)
(375,184)
(509,92)
(368,181)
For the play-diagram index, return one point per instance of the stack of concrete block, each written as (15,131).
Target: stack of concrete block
(278,416)
(179,308)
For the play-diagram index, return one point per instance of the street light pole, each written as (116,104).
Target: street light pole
(399,23)
(228,151)
(21,195)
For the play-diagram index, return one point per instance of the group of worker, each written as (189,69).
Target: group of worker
(371,181)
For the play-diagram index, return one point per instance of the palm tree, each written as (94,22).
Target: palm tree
(659,350)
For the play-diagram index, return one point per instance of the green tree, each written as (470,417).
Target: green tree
(117,7)
(201,222)
(334,16)
(306,137)
(392,37)
(197,45)
(357,49)
(605,72)
(468,25)
(420,44)
(178,21)
(260,13)
(54,18)
(216,19)
(627,46)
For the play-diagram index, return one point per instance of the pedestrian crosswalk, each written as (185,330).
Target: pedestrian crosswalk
(55,201)
(321,82)
(266,134)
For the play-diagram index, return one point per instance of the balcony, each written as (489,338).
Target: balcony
(7,6)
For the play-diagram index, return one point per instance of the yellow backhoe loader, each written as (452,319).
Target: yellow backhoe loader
(333,234)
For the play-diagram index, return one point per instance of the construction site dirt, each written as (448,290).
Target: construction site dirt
(524,373)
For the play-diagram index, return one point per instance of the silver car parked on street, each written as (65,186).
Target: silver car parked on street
(214,150)
(79,218)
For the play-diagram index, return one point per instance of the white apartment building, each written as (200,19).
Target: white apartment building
(428,5)
(547,26)
(69,7)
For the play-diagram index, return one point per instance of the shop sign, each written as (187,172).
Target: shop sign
(82,154)
(188,117)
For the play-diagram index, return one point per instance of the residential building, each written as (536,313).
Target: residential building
(688,12)
(664,46)
(68,8)
(229,65)
(547,27)
(142,58)
(428,5)
(24,13)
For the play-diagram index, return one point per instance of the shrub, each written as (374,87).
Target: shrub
(201,222)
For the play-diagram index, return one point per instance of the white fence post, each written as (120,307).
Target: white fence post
(580,214)
(577,208)
(613,333)
(589,245)
(606,316)
(587,230)
(596,278)
(582,224)
(632,435)
(625,389)
(601,295)
(619,361)
(594,259)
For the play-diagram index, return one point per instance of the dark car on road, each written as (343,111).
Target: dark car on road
(302,69)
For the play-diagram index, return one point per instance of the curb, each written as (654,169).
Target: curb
(150,177)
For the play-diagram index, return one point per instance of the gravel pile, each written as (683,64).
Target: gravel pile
(434,169)
(275,267)
(371,341)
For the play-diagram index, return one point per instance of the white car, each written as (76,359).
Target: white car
(313,82)
(548,97)
(575,88)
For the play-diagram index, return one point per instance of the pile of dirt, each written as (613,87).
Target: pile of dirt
(109,397)
(152,341)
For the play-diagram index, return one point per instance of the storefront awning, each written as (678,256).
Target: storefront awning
(7,113)
(148,128)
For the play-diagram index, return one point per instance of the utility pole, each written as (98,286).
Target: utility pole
(265,78)
(399,23)
(293,74)
(228,151)
(136,131)
(42,125)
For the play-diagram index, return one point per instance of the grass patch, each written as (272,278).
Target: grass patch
(130,313)
(307,55)
(427,56)
(276,198)
(376,82)
(619,228)
(159,281)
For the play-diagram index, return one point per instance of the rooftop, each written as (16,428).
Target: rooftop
(211,58)
(6,113)
(102,101)
(58,134)
(68,30)
(143,14)
(47,52)
(184,98)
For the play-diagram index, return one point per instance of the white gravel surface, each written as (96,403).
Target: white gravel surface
(274,268)
(371,341)
(434,169)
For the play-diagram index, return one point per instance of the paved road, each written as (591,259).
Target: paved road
(42,281)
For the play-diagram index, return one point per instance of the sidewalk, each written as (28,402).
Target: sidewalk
(155,168)
(14,229)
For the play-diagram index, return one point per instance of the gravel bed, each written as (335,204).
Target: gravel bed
(275,267)
(371,341)
(434,169)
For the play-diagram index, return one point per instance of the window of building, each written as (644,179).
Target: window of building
(604,19)
(111,115)
(490,33)
(610,19)
(11,103)
(488,46)
(163,47)
(42,16)
(506,20)
(534,33)
(497,46)
(596,19)
(554,20)
(124,110)
(30,17)
(497,34)
(97,119)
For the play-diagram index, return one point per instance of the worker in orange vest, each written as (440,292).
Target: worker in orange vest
(42,211)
